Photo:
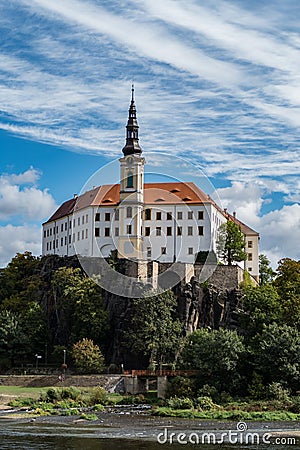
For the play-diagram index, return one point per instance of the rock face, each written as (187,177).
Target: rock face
(212,304)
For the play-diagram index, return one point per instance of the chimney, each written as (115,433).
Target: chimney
(234,214)
(75,195)
(225,210)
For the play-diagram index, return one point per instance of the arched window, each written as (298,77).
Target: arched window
(129,180)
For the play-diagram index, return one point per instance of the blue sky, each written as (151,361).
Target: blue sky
(217,83)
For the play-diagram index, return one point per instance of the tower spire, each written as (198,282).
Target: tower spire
(132,130)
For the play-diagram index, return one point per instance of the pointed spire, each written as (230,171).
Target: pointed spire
(132,130)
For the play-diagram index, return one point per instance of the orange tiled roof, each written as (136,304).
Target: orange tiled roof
(154,193)
(245,229)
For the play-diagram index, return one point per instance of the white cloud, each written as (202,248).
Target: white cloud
(27,202)
(18,239)
(279,229)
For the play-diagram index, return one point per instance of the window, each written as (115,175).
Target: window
(47,246)
(70,238)
(53,230)
(249,269)
(62,227)
(86,218)
(169,231)
(57,229)
(190,214)
(169,216)
(117,214)
(128,212)
(82,234)
(78,236)
(148,214)
(163,250)
(158,231)
(74,223)
(179,215)
(249,256)
(130,180)
(50,231)
(107,217)
(45,234)
(190,250)
(61,241)
(97,217)
(73,237)
(117,231)
(86,233)
(70,224)
(82,220)
(200,230)
(190,231)
(158,216)
(106,232)
(200,215)
(66,240)
(97,232)
(129,229)
(147,231)
(250,244)
(148,252)
(54,245)
(179,231)
(66,226)
(78,221)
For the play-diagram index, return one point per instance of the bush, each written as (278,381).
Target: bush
(275,391)
(52,395)
(256,388)
(180,403)
(70,393)
(295,407)
(209,391)
(181,387)
(98,396)
(206,403)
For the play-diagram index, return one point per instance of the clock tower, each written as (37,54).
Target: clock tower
(131,191)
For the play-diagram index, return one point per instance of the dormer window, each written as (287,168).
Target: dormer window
(130,180)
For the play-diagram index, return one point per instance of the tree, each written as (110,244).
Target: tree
(276,355)
(231,243)
(262,306)
(287,284)
(87,356)
(216,354)
(154,329)
(266,273)
(13,341)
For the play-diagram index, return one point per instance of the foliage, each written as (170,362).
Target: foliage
(154,329)
(231,243)
(266,273)
(287,284)
(275,391)
(206,403)
(180,403)
(13,340)
(276,352)
(261,306)
(181,387)
(98,396)
(87,356)
(256,387)
(216,354)
(89,416)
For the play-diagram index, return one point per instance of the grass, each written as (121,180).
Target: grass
(21,391)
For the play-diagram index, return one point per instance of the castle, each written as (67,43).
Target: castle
(163,222)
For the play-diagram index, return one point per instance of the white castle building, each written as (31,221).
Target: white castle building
(163,222)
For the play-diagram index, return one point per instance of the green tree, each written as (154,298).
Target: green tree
(217,354)
(261,306)
(287,284)
(231,243)
(87,356)
(266,273)
(276,355)
(154,329)
(13,340)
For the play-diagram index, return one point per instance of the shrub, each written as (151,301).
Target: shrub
(70,393)
(180,403)
(256,388)
(89,416)
(181,387)
(206,403)
(275,391)
(98,396)
(208,391)
(51,395)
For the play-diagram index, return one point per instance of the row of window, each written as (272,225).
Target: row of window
(83,234)
(157,231)
(163,251)
(64,226)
